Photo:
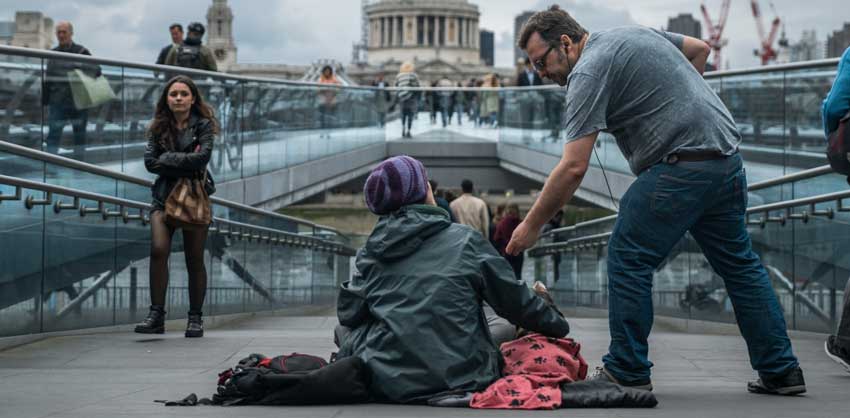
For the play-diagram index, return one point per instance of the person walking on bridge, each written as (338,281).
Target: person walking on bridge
(835,107)
(408,100)
(58,96)
(176,31)
(645,87)
(180,142)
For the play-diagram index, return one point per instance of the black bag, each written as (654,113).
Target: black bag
(838,150)
(296,379)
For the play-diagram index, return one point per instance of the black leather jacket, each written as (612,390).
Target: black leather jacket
(184,162)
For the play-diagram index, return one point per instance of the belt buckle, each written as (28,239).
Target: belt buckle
(671,159)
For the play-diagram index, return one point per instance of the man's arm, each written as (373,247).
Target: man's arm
(696,51)
(512,299)
(558,190)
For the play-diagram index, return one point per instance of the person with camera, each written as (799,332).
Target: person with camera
(180,142)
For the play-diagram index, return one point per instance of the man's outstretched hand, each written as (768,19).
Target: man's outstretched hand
(522,239)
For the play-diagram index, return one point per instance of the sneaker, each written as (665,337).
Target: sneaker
(836,352)
(791,383)
(604,375)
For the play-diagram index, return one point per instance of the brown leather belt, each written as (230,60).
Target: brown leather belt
(695,156)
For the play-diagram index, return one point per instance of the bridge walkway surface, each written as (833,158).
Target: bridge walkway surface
(120,374)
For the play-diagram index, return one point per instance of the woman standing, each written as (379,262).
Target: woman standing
(180,141)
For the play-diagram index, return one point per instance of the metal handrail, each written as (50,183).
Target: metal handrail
(101,199)
(766,209)
(802,65)
(97,170)
(790,178)
(43,54)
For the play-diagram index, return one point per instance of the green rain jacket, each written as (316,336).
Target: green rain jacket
(415,307)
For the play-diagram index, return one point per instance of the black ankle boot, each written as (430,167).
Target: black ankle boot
(195,325)
(154,323)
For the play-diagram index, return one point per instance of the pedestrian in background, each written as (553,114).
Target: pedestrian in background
(176,32)
(58,96)
(408,99)
(504,229)
(192,53)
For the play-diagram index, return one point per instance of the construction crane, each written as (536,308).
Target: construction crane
(715,32)
(767,53)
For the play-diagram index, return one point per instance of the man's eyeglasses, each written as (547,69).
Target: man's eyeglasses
(540,63)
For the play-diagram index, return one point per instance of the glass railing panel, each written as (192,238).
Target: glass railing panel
(703,295)
(132,253)
(756,104)
(670,280)
(226,291)
(235,153)
(267,126)
(820,269)
(804,93)
(258,269)
(21,263)
(23,112)
(79,255)
(141,91)
(564,288)
(324,280)
(592,279)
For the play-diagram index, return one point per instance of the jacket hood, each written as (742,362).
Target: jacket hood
(402,232)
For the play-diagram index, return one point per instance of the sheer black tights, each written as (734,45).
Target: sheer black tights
(193,248)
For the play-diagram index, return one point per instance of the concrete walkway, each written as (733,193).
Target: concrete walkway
(120,374)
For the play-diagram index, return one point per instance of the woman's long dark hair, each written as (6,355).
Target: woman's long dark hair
(164,124)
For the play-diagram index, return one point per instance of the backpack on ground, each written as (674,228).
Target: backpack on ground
(295,379)
(838,149)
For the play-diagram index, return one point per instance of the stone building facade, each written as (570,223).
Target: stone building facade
(29,30)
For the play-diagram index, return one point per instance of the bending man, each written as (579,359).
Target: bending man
(645,87)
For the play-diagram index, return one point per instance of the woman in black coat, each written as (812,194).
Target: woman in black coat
(180,142)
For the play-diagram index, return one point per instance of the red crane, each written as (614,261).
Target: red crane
(715,32)
(767,53)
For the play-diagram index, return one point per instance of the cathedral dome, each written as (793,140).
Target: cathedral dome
(423,30)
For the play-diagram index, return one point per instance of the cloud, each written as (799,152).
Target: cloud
(592,16)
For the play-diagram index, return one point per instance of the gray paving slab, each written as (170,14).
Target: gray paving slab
(121,374)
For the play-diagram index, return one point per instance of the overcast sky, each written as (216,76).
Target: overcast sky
(302,31)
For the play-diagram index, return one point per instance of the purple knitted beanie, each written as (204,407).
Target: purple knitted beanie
(396,182)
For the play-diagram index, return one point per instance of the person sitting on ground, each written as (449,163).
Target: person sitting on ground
(413,311)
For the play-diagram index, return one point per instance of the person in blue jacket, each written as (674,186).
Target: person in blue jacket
(835,106)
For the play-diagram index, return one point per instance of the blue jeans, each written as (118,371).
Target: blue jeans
(708,199)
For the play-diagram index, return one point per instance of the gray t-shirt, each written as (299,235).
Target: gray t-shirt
(635,83)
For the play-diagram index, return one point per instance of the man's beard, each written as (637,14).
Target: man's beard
(562,79)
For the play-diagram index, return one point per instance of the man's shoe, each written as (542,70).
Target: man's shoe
(791,383)
(837,352)
(604,375)
(154,323)
(195,326)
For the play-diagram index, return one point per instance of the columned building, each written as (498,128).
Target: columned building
(423,30)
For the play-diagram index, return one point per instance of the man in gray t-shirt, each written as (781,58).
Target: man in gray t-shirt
(645,88)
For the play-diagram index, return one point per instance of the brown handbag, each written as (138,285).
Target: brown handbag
(188,205)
